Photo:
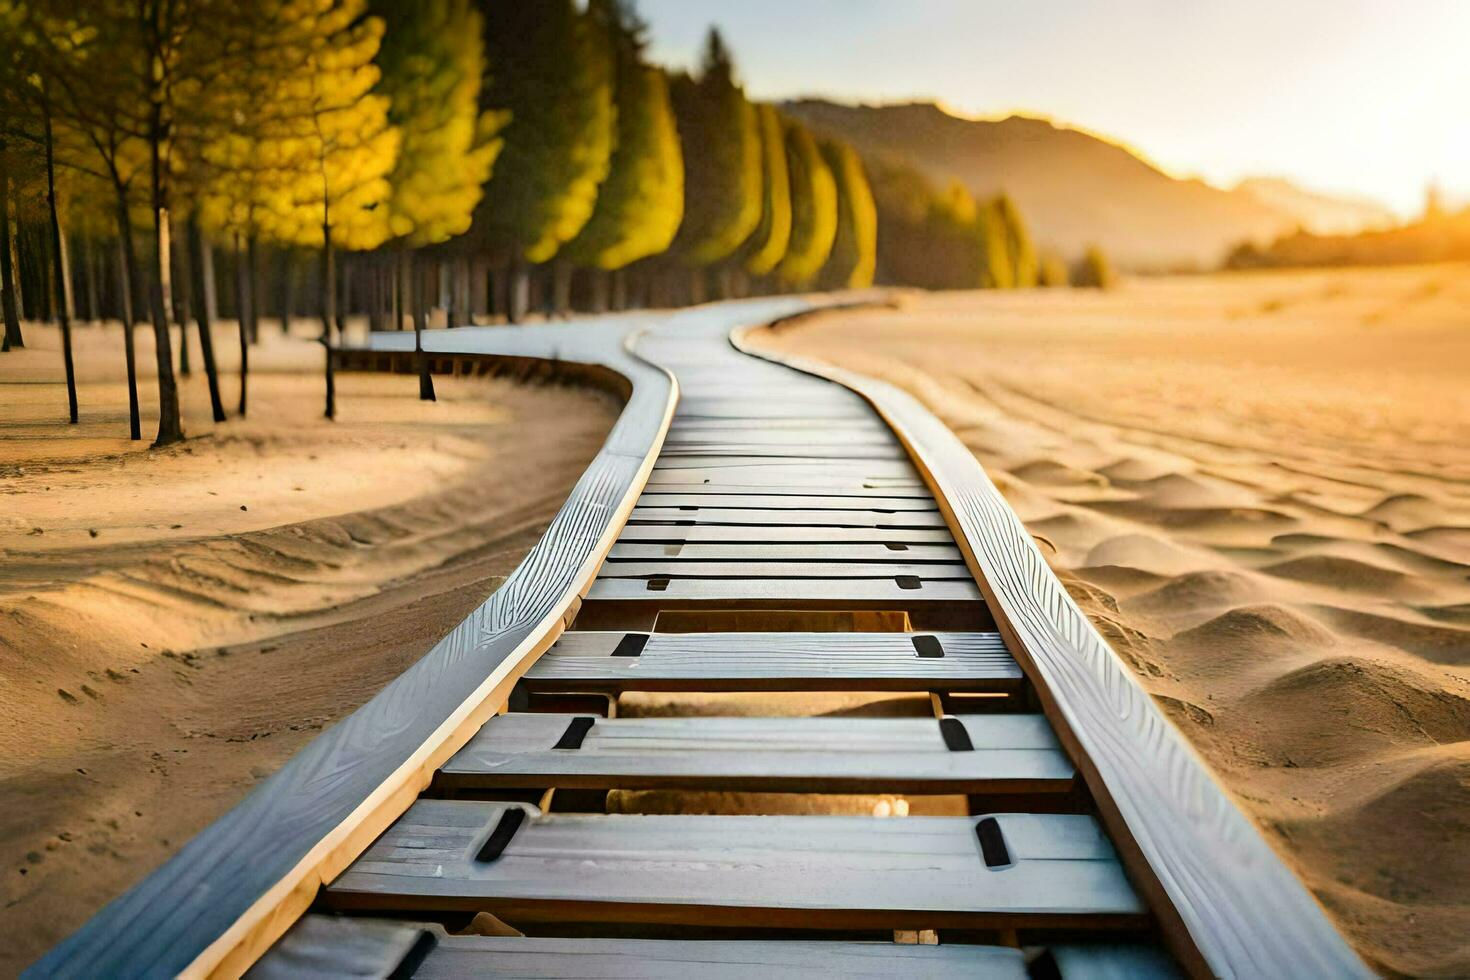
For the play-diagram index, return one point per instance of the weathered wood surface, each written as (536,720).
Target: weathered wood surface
(750,501)
(1227,902)
(322,946)
(232,889)
(861,551)
(778,534)
(834,593)
(775,661)
(806,872)
(757,517)
(1008,754)
(674,568)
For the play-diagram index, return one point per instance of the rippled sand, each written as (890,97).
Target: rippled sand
(1259,488)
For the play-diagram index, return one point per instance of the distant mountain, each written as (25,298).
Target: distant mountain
(1076,189)
(1320,214)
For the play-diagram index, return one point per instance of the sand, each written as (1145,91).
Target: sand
(174,625)
(1258,486)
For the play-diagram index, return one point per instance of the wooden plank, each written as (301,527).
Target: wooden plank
(775,661)
(670,533)
(813,872)
(802,518)
(1228,905)
(674,568)
(1109,961)
(863,551)
(749,451)
(755,501)
(685,435)
(792,592)
(321,946)
(231,891)
(1009,754)
(916,491)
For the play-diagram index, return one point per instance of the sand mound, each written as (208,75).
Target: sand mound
(1253,626)
(1149,554)
(1453,540)
(1137,470)
(1051,473)
(1405,511)
(1196,591)
(1120,580)
(1346,575)
(1179,490)
(1441,644)
(1338,710)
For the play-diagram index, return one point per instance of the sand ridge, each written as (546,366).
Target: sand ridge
(1258,486)
(174,625)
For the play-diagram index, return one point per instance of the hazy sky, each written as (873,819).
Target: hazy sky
(1359,96)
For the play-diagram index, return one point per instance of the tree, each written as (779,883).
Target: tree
(433,64)
(855,249)
(334,139)
(641,203)
(719,132)
(554,77)
(1094,270)
(997,269)
(767,246)
(1053,271)
(813,208)
(1025,267)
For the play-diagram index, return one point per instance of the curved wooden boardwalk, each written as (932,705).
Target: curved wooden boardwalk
(748,526)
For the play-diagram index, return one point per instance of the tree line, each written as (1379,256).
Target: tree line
(166,161)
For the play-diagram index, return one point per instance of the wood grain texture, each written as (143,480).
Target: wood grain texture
(917,554)
(1015,754)
(833,593)
(808,872)
(1228,904)
(776,661)
(776,534)
(764,517)
(228,893)
(321,946)
(751,501)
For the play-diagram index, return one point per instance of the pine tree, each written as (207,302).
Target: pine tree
(641,203)
(855,250)
(767,247)
(551,71)
(1024,264)
(433,61)
(1094,270)
(992,232)
(722,158)
(813,208)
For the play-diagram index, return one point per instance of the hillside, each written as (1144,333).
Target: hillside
(1076,189)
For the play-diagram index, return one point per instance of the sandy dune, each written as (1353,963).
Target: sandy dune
(175,624)
(1259,488)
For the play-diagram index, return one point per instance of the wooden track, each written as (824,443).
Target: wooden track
(747,527)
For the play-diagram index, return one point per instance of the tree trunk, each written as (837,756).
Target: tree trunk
(416,304)
(171,425)
(201,255)
(479,299)
(244,314)
(600,290)
(183,281)
(71,374)
(519,299)
(329,315)
(126,263)
(559,302)
(11,311)
(286,279)
(252,289)
(619,299)
(181,309)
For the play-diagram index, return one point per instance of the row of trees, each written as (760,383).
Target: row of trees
(165,159)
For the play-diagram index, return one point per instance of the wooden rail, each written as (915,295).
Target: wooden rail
(772,534)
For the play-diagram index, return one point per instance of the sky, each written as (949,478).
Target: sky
(1359,97)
